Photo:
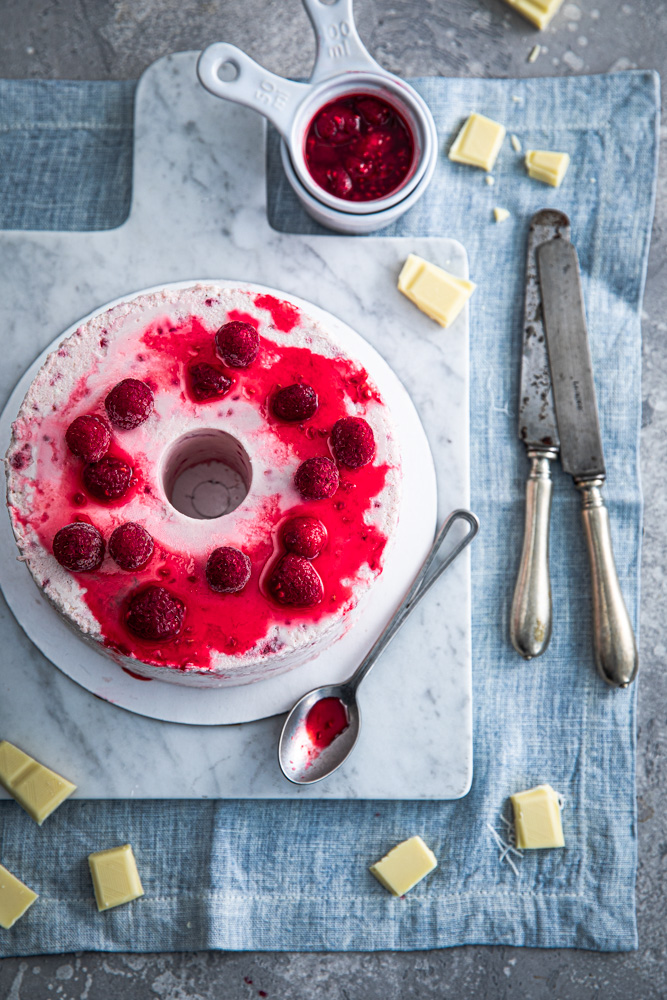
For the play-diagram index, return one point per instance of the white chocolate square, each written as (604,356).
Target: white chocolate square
(537,818)
(543,165)
(436,292)
(538,12)
(115,877)
(404,866)
(15,898)
(478,143)
(35,787)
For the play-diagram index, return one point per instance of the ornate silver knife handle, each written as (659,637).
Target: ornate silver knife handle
(613,638)
(530,625)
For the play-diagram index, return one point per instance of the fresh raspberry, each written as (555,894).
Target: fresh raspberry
(359,168)
(375,112)
(207,381)
(237,344)
(79,547)
(129,403)
(352,442)
(295,402)
(88,437)
(108,479)
(130,546)
(337,124)
(316,478)
(373,145)
(227,570)
(339,182)
(305,536)
(155,614)
(295,581)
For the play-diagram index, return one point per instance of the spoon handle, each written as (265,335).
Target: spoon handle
(420,587)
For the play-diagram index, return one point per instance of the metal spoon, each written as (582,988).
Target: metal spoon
(297,760)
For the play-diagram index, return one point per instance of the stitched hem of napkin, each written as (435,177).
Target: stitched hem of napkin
(242,923)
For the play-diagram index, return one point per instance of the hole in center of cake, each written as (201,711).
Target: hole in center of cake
(206,474)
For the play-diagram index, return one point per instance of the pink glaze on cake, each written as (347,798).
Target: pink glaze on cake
(225,638)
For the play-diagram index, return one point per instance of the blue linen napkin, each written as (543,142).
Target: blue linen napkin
(65,154)
(293,875)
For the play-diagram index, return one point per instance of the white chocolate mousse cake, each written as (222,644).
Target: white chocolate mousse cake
(204,484)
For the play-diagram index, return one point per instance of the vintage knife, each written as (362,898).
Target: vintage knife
(530,622)
(581,451)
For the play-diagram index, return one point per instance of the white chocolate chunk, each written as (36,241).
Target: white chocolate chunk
(538,12)
(500,214)
(546,166)
(435,291)
(15,898)
(490,180)
(534,53)
(404,866)
(115,877)
(516,143)
(35,787)
(537,818)
(478,143)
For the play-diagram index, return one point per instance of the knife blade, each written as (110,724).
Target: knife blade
(530,620)
(582,452)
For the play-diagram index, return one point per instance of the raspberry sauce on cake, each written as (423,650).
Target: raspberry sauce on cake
(171,592)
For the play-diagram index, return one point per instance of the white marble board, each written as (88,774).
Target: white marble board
(199,210)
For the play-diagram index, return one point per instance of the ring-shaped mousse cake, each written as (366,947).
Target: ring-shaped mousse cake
(204,484)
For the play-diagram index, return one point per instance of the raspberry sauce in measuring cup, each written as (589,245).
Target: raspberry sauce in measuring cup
(357,140)
(359,148)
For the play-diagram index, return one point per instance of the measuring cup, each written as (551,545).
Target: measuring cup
(342,67)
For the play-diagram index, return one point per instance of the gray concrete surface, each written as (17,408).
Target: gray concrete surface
(114,39)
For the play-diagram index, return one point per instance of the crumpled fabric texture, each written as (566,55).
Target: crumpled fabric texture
(293,875)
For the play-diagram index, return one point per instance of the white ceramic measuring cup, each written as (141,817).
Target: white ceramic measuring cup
(342,66)
(345,222)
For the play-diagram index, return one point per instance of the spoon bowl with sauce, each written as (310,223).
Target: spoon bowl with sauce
(322,729)
(324,716)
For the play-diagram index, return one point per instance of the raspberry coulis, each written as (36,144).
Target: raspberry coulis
(359,148)
(137,677)
(326,720)
(238,622)
(284,315)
